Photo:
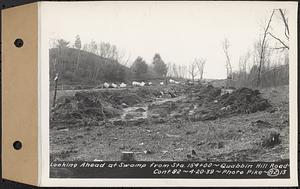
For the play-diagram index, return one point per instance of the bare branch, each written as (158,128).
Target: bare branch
(278,40)
(125,62)
(285,33)
(193,70)
(284,19)
(279,48)
(225,46)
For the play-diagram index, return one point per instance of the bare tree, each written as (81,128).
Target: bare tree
(122,58)
(261,68)
(78,47)
(200,65)
(108,52)
(104,51)
(286,30)
(193,70)
(175,71)
(169,72)
(179,71)
(62,47)
(263,45)
(184,71)
(92,47)
(285,21)
(243,60)
(226,46)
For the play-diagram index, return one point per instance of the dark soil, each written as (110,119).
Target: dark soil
(207,103)
(201,123)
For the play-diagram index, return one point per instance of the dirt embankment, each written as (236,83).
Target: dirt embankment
(82,109)
(96,107)
(209,103)
(200,103)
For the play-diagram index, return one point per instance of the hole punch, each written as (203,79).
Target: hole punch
(19,43)
(17,145)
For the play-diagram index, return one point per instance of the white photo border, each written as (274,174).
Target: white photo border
(44,149)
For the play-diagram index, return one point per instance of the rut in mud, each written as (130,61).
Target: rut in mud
(141,112)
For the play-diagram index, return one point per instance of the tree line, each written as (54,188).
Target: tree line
(267,64)
(99,62)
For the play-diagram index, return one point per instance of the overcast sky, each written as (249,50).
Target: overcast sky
(179,31)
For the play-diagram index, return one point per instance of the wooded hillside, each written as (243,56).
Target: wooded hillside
(78,66)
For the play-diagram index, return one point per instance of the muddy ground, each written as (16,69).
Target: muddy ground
(171,123)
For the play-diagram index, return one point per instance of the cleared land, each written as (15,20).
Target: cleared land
(171,123)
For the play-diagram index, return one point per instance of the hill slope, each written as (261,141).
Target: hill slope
(80,67)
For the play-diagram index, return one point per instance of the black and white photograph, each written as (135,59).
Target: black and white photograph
(169,82)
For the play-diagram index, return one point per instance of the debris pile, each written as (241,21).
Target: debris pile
(94,107)
(204,102)
(244,100)
(240,101)
(271,138)
(208,103)
(204,93)
(81,108)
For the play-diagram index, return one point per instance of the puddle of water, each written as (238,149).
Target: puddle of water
(135,113)
(161,101)
(132,113)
